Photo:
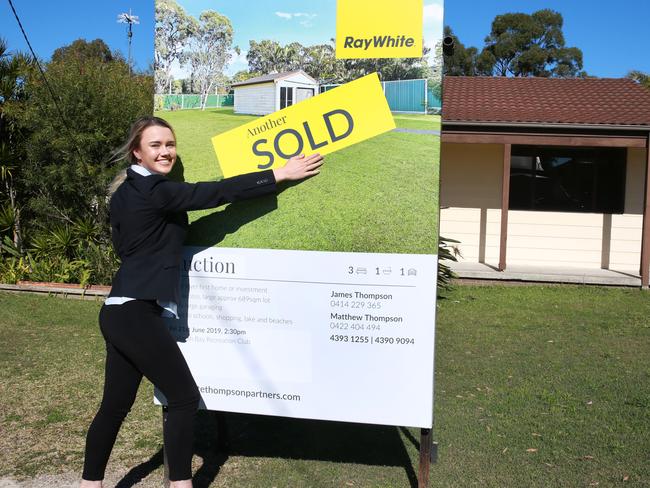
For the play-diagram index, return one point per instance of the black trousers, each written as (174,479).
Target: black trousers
(138,343)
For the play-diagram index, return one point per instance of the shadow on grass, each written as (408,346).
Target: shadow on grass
(223,434)
(141,471)
(219,435)
(213,228)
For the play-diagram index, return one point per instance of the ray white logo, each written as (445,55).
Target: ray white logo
(378,42)
(389,30)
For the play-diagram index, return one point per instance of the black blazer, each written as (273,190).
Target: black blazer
(149,224)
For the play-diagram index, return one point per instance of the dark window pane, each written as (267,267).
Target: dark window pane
(286,96)
(283,97)
(567,179)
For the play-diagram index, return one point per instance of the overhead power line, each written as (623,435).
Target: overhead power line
(47,84)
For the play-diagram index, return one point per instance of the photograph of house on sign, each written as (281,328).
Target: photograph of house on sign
(262,95)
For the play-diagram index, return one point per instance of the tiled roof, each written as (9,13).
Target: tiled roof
(579,101)
(271,77)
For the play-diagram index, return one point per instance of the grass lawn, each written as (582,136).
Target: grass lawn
(380,195)
(417,121)
(535,386)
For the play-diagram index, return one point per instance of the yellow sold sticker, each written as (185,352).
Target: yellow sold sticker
(379,29)
(338,118)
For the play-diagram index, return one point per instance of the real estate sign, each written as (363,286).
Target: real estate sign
(318,302)
(334,120)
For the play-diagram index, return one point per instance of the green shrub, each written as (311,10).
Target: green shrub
(447,251)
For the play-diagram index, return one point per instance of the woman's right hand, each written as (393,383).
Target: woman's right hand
(299,167)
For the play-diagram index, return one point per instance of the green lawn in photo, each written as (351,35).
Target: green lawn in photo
(380,195)
(536,386)
(417,121)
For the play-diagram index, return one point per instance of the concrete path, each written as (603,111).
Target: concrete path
(546,274)
(418,131)
(71,480)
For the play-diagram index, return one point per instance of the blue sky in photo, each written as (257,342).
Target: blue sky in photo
(614,36)
(285,21)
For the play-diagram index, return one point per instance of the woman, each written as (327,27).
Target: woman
(148,224)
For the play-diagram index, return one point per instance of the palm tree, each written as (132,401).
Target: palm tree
(640,77)
(13,68)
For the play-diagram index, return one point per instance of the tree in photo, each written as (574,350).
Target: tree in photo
(173,27)
(209,51)
(244,75)
(269,56)
(321,63)
(434,78)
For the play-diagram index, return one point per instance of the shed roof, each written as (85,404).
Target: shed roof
(272,77)
(575,101)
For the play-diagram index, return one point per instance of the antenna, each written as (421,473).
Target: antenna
(129,19)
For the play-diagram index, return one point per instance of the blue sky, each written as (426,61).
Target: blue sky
(54,23)
(614,36)
(51,24)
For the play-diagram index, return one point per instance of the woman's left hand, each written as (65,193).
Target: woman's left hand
(299,167)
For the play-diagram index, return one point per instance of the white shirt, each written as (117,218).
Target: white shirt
(170,309)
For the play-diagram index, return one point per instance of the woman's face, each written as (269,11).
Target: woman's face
(157,151)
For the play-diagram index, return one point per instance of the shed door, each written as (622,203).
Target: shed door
(303,94)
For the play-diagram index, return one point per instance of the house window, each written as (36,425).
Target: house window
(286,96)
(568,179)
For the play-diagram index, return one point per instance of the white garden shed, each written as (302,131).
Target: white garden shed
(263,95)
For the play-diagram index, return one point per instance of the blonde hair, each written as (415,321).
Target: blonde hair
(125,151)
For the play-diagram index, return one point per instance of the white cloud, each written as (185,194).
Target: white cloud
(179,72)
(296,15)
(238,62)
(433,13)
(433,18)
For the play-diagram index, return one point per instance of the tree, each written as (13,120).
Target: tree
(243,75)
(319,62)
(13,69)
(529,45)
(70,138)
(463,61)
(388,68)
(173,27)
(640,77)
(209,51)
(269,56)
(83,51)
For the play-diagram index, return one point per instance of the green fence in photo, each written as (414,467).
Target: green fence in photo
(433,102)
(406,95)
(183,102)
(411,96)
